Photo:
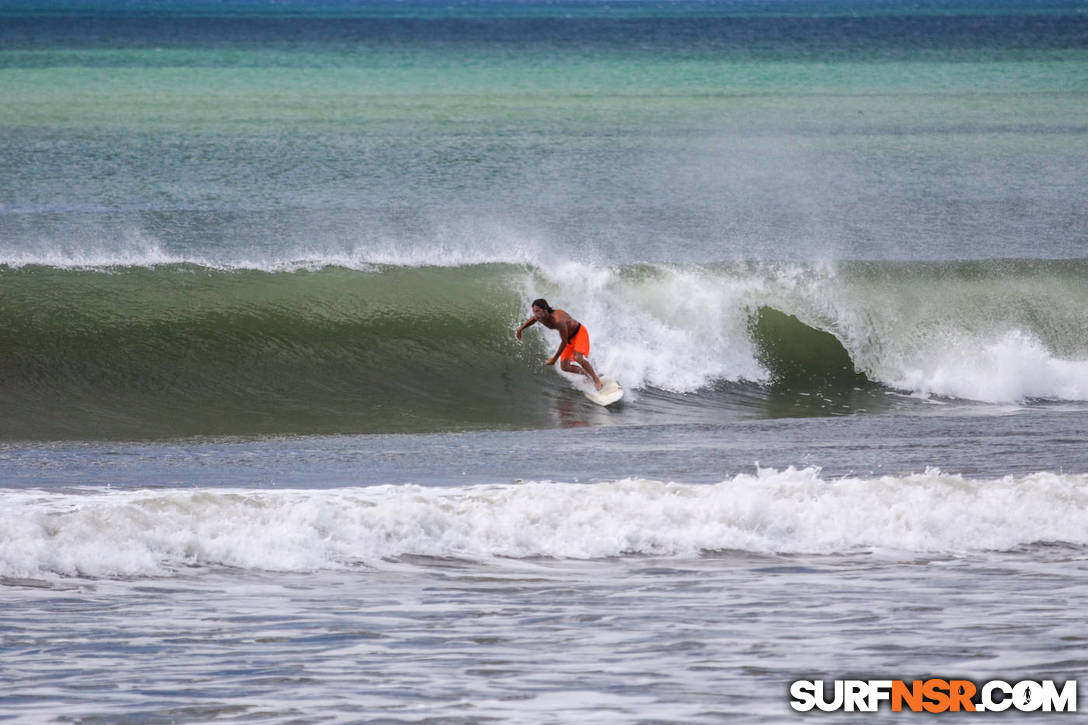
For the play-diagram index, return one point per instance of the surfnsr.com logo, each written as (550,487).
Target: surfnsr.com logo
(933,695)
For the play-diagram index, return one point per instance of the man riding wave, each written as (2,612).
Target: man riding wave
(573,342)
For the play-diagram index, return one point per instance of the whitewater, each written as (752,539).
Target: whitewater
(89,533)
(271,452)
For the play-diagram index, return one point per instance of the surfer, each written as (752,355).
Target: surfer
(573,339)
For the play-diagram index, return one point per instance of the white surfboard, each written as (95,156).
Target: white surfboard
(609,393)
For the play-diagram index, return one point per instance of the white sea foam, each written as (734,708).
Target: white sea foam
(1015,367)
(139,533)
(673,328)
(991,340)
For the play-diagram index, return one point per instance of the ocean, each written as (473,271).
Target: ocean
(271,452)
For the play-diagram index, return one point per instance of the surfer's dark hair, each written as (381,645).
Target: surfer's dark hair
(542,304)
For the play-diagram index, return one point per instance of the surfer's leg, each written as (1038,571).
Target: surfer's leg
(570,367)
(587,369)
(574,368)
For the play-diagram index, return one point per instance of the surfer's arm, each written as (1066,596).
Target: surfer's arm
(525,324)
(553,358)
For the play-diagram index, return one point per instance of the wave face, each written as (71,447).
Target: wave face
(187,350)
(171,348)
(155,533)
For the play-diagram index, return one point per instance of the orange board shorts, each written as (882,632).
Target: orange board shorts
(580,343)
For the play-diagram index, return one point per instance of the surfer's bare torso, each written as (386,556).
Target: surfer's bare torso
(560,320)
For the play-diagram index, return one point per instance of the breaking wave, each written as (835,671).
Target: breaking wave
(164,347)
(154,533)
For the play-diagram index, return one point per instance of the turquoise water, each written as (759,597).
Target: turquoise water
(689,133)
(269,450)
